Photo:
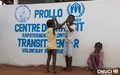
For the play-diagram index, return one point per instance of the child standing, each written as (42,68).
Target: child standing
(69,39)
(95,59)
(51,44)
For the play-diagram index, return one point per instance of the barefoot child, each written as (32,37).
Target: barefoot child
(51,44)
(95,59)
(69,39)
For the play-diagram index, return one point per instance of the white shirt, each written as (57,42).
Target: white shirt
(69,35)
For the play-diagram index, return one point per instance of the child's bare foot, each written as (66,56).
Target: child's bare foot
(65,68)
(90,69)
(54,72)
(68,70)
(47,71)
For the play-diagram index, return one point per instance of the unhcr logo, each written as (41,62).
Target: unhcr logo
(76,9)
(22,13)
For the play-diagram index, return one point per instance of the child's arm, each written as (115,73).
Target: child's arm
(58,24)
(62,24)
(70,29)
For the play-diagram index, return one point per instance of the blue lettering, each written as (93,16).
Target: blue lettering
(59,51)
(36,13)
(60,43)
(30,50)
(48,13)
(79,24)
(27,27)
(31,42)
(44,27)
(76,43)
(16,28)
(60,12)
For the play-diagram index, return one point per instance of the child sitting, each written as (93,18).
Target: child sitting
(95,59)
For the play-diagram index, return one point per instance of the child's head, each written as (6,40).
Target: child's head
(98,46)
(50,23)
(71,19)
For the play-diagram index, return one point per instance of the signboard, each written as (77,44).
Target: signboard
(23,31)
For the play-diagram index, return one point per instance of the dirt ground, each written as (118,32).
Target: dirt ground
(40,70)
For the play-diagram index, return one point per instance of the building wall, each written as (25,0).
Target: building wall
(98,23)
